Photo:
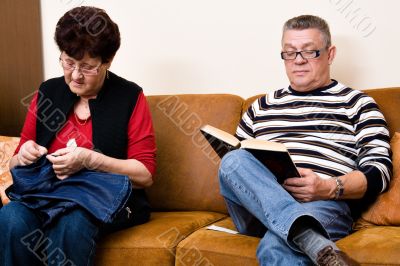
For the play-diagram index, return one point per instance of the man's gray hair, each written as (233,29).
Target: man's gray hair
(309,22)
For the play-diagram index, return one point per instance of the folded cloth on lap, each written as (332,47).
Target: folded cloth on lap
(37,187)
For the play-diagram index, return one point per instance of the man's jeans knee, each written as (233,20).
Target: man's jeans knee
(231,161)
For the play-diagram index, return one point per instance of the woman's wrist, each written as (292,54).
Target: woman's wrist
(14,161)
(91,159)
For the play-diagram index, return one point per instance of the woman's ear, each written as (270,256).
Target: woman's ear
(108,64)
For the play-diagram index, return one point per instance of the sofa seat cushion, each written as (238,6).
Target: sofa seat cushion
(208,247)
(378,245)
(152,243)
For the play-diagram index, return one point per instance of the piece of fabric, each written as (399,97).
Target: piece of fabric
(101,194)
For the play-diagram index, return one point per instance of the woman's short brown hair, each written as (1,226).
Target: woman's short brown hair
(87,30)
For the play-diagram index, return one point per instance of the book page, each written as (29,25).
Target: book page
(259,144)
(222,135)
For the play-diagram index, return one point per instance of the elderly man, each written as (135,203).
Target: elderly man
(339,141)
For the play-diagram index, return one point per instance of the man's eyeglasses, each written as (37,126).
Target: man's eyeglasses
(85,69)
(306,54)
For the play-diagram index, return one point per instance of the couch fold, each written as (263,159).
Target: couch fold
(208,247)
(152,243)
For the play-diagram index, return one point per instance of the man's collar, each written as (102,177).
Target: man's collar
(313,92)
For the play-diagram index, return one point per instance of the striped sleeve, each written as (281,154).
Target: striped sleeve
(373,143)
(245,128)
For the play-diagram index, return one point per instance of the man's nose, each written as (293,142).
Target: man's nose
(299,59)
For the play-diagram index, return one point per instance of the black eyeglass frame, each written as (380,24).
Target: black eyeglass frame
(317,54)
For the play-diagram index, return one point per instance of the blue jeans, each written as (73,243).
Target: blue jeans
(100,193)
(68,240)
(260,206)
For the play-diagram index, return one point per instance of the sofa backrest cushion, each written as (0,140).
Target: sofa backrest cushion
(388,100)
(386,211)
(187,167)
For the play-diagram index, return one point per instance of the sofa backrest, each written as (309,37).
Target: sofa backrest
(388,100)
(187,167)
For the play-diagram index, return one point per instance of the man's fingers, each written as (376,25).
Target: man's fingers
(304,171)
(295,181)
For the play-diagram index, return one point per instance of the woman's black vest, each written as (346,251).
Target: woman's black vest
(110,113)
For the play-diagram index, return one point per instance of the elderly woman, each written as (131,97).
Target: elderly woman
(88,119)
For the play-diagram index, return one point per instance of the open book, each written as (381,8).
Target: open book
(273,155)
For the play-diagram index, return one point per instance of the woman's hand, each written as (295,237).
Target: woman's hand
(29,152)
(68,161)
(310,187)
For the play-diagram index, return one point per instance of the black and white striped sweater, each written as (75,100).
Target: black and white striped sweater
(332,130)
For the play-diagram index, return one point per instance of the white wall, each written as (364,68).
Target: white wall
(232,46)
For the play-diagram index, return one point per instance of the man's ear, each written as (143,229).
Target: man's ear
(331,54)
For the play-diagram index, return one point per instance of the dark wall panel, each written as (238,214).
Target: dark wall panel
(21,62)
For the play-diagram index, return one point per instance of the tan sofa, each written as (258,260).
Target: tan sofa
(186,195)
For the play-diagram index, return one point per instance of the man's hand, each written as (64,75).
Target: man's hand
(68,161)
(310,187)
(29,152)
